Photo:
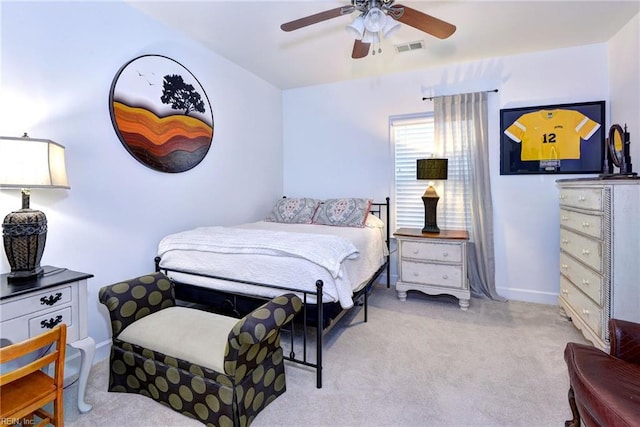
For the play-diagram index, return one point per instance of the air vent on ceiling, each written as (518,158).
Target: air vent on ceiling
(408,47)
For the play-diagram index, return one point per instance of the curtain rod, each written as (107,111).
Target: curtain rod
(430,98)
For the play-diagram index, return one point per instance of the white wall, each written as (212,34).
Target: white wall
(336,143)
(624,71)
(58,63)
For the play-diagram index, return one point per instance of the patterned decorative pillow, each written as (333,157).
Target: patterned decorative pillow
(294,210)
(347,212)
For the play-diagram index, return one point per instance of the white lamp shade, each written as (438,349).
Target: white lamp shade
(370,37)
(356,28)
(32,163)
(391,27)
(375,20)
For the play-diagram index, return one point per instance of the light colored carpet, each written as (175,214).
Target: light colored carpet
(423,362)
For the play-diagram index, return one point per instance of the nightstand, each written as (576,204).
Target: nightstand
(433,263)
(58,296)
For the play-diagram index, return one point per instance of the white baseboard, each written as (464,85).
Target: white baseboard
(515,294)
(527,295)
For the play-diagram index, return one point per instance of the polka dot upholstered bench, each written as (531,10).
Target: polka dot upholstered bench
(220,370)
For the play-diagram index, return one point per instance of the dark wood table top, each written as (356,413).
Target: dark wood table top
(444,234)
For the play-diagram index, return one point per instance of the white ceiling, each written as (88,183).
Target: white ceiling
(248,34)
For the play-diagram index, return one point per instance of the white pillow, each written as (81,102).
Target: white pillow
(373,221)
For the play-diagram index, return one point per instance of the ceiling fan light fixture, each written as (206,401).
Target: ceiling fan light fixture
(370,37)
(391,27)
(356,28)
(375,20)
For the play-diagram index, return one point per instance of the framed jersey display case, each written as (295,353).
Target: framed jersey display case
(553,139)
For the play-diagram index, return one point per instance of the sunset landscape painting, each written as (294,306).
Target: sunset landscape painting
(161,114)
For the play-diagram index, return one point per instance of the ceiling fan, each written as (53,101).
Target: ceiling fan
(376,17)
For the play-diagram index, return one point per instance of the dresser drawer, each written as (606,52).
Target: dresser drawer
(449,276)
(582,277)
(35,302)
(587,250)
(583,223)
(587,310)
(45,322)
(431,251)
(583,198)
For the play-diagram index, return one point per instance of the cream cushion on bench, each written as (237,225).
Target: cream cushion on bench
(189,334)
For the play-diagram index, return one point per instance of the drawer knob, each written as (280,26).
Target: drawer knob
(585,281)
(564,266)
(565,241)
(581,198)
(416,274)
(585,252)
(585,224)
(445,277)
(51,323)
(50,300)
(416,252)
(565,292)
(565,218)
(445,254)
(585,311)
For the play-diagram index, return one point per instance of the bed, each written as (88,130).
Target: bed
(328,252)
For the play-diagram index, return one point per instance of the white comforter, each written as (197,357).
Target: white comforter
(289,255)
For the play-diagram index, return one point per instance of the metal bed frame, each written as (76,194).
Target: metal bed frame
(207,296)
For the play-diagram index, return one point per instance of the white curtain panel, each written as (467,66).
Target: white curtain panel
(461,136)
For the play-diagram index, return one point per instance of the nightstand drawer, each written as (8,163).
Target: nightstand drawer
(587,250)
(449,276)
(587,280)
(45,322)
(583,223)
(582,198)
(431,251)
(36,302)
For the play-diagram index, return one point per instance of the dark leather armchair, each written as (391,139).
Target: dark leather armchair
(605,388)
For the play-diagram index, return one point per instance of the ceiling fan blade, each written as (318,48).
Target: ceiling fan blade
(318,17)
(424,22)
(360,49)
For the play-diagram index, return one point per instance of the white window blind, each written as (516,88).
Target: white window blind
(413,139)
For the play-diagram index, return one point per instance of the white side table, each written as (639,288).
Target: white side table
(433,263)
(58,296)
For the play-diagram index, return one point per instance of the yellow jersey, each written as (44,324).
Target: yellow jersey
(551,134)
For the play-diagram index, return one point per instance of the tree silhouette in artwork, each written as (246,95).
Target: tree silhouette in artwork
(180,95)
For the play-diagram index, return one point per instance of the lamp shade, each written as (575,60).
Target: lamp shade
(375,20)
(32,163)
(432,169)
(356,28)
(391,27)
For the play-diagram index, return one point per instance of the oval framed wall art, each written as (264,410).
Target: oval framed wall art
(161,114)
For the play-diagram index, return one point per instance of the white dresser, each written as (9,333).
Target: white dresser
(599,253)
(433,263)
(32,307)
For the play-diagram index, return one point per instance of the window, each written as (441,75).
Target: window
(413,138)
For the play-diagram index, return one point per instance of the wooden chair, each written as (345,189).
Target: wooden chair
(25,390)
